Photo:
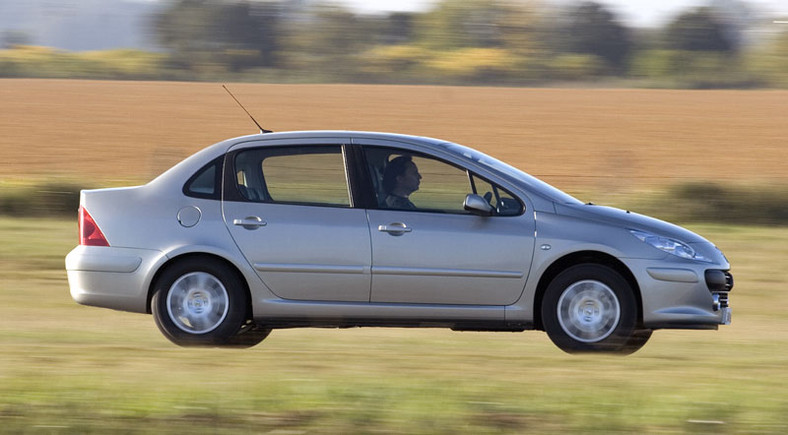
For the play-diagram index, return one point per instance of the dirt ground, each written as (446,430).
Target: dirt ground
(589,138)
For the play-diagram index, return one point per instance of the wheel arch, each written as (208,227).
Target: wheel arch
(583,257)
(204,256)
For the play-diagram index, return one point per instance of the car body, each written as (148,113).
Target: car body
(291,229)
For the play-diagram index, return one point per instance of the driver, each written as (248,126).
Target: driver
(400,179)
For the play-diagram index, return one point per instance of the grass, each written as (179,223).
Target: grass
(66,368)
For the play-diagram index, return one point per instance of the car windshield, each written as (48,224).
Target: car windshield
(512,172)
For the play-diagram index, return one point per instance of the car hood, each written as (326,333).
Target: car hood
(626,219)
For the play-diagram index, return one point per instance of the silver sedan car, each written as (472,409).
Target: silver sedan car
(347,229)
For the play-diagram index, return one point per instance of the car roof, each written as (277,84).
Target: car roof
(342,134)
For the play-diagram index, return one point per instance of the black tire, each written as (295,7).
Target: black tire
(199,302)
(248,336)
(638,340)
(592,308)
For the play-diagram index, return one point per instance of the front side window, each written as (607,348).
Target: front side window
(411,181)
(444,186)
(309,175)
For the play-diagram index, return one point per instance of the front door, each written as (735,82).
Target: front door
(427,249)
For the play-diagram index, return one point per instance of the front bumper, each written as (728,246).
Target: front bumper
(684,296)
(110,277)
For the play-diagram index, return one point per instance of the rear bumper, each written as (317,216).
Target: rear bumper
(110,277)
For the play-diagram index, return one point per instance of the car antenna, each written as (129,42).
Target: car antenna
(262,130)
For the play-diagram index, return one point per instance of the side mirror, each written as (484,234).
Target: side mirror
(477,205)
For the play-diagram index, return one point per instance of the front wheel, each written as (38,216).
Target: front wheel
(249,335)
(199,302)
(592,308)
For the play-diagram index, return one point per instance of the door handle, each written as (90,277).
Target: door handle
(395,229)
(250,222)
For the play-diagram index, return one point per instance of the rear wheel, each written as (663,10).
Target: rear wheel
(199,302)
(592,308)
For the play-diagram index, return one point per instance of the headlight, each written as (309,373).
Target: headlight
(671,246)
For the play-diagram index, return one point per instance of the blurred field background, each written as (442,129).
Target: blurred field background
(608,115)
(692,44)
(72,369)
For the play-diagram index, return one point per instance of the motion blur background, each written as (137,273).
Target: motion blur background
(677,43)
(675,108)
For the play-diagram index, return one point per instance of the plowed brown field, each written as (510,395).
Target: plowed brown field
(99,130)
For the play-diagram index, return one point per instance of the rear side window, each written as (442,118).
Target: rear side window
(205,182)
(308,175)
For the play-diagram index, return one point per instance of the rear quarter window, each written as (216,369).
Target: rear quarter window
(205,182)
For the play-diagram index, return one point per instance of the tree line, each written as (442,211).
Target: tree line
(490,42)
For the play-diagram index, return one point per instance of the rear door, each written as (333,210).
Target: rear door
(289,209)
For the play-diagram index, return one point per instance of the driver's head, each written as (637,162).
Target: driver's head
(401,176)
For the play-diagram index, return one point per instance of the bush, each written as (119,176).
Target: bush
(45,199)
(119,64)
(711,202)
(473,64)
(693,69)
(577,66)
(654,64)
(771,61)
(394,58)
(33,61)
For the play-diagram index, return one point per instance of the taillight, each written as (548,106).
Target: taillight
(89,232)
